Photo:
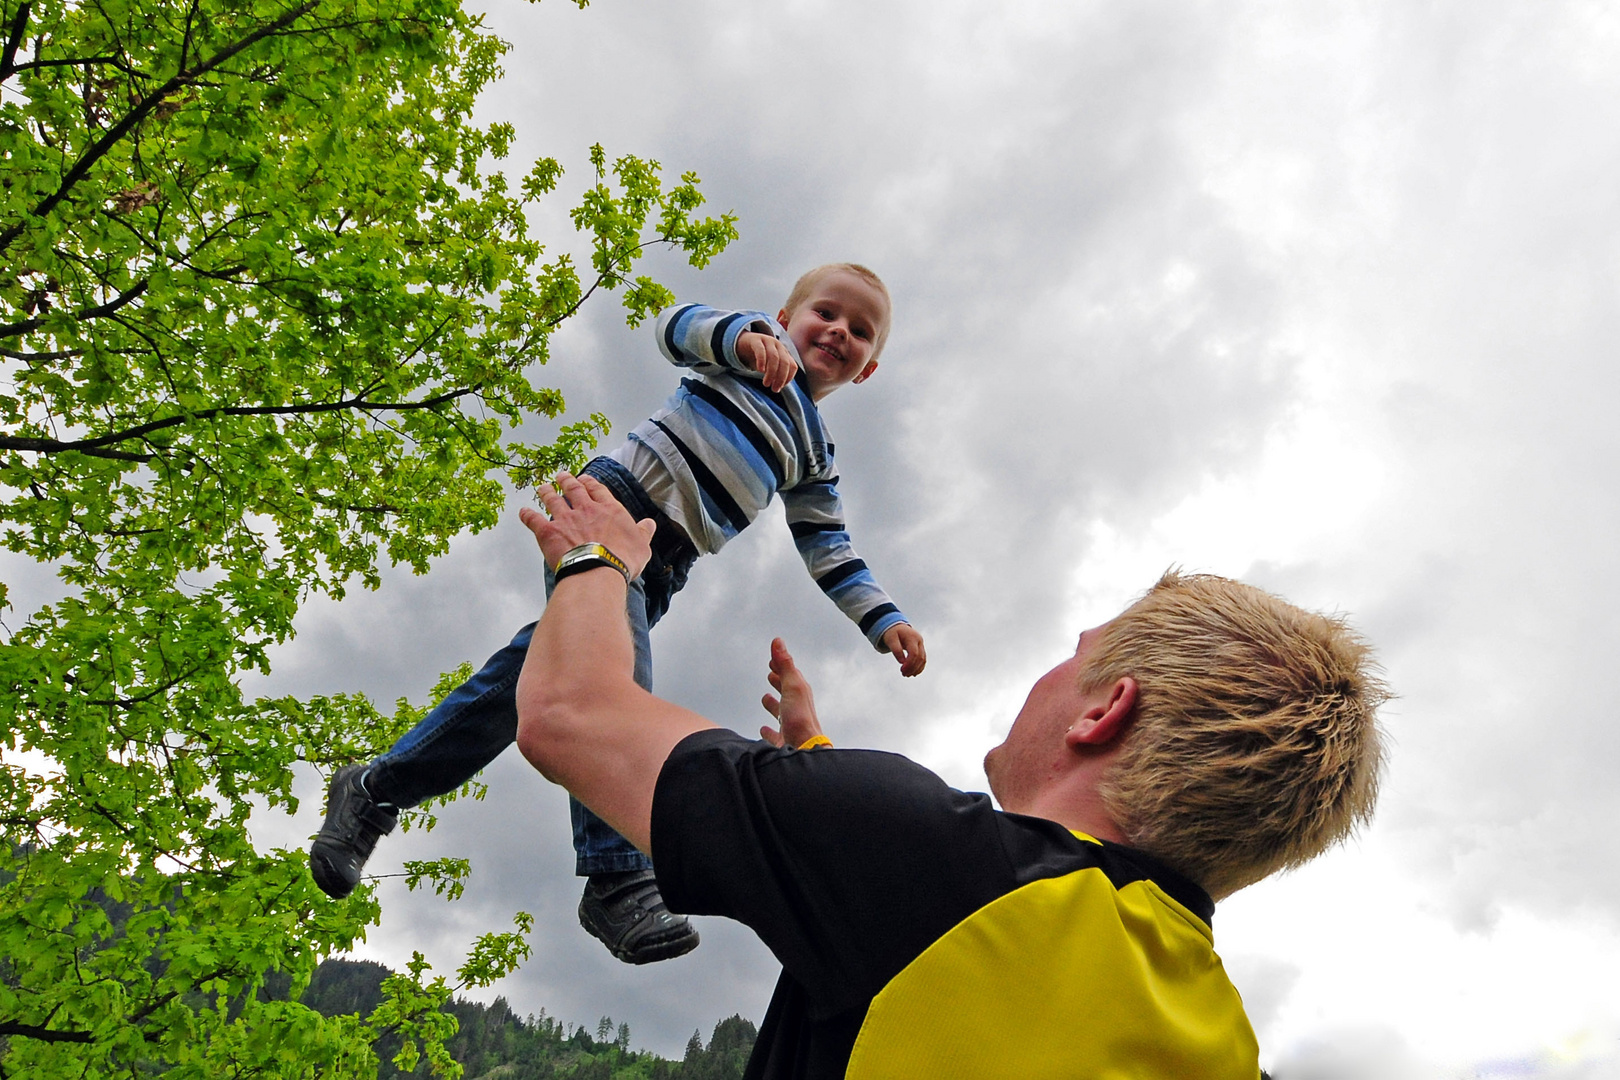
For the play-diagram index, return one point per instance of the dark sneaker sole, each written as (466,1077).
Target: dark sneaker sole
(648,952)
(327,870)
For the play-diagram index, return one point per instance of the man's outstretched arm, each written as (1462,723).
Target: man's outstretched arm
(582,720)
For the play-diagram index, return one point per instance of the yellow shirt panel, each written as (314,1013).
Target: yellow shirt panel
(1064,978)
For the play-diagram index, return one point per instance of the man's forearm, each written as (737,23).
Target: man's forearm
(582,720)
(581,662)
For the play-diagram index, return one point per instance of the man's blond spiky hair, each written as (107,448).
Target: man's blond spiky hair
(808,279)
(1255,744)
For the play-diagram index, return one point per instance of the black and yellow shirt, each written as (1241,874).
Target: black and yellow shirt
(924,934)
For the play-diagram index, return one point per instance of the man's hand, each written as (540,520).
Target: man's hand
(795,710)
(907,646)
(582,511)
(768,356)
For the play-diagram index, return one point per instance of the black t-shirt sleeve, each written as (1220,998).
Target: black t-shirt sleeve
(846,863)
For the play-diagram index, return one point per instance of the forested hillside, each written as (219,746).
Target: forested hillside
(494,1042)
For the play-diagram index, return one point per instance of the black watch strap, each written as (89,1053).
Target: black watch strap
(588,557)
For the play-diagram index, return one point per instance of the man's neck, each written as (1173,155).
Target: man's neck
(1077,805)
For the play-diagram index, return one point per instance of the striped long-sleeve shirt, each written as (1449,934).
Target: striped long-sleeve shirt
(727,445)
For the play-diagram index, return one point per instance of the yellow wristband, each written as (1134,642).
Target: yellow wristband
(814,741)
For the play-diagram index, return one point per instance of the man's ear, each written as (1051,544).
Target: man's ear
(866,372)
(1104,722)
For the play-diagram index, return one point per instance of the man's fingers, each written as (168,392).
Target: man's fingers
(550,498)
(773,705)
(772,736)
(596,489)
(533,519)
(575,492)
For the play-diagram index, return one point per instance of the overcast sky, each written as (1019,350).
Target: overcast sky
(1318,296)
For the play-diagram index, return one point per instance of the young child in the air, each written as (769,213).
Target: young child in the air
(703,467)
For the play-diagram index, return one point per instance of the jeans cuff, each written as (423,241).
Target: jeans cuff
(586,865)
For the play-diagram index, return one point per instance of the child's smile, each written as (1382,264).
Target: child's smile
(835,331)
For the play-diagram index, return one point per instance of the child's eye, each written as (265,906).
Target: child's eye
(824,313)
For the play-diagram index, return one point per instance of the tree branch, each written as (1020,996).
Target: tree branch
(100,311)
(33,65)
(33,1031)
(185,42)
(81,168)
(19,25)
(94,446)
(130,703)
(52,446)
(42,357)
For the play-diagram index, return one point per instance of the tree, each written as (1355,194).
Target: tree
(267,316)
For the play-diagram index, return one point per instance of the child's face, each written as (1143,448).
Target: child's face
(836,330)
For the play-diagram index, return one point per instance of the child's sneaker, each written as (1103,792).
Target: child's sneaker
(353,824)
(626,913)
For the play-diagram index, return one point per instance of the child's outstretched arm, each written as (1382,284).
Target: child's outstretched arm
(906,646)
(815,516)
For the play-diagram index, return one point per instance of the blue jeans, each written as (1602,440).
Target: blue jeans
(478,720)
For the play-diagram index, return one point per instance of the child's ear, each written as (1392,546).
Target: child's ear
(782,318)
(866,372)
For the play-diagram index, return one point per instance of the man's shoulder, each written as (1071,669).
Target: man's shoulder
(890,793)
(881,796)
(857,782)
(712,746)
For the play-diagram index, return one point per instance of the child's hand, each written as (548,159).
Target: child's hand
(769,357)
(907,646)
(795,711)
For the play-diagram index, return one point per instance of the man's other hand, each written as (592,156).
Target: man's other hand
(906,645)
(582,511)
(795,710)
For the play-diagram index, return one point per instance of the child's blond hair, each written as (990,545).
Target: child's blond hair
(1255,744)
(808,279)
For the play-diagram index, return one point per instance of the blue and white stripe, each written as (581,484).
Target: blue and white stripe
(729,445)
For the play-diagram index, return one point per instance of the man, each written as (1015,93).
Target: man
(1206,737)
